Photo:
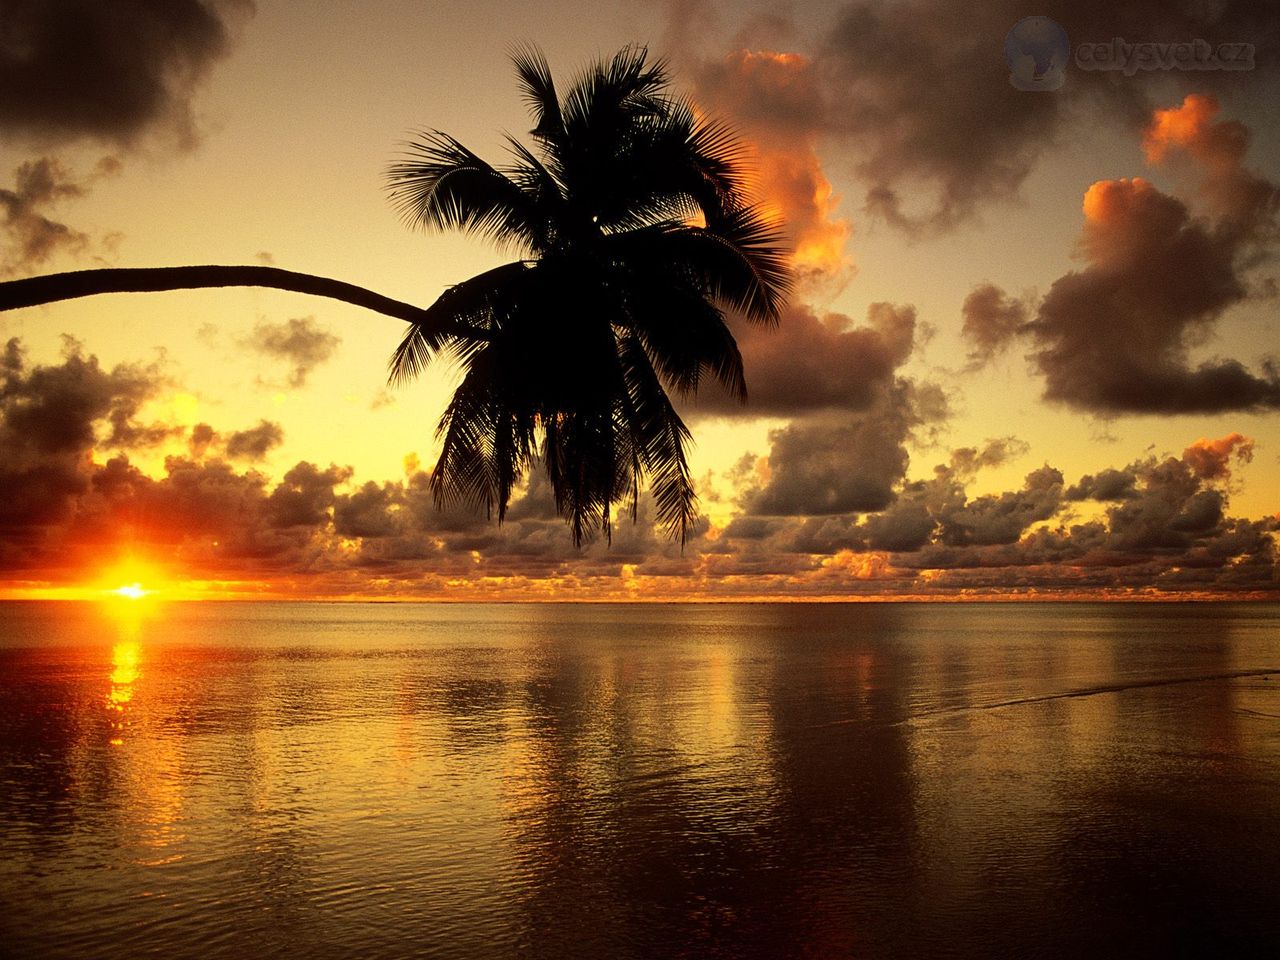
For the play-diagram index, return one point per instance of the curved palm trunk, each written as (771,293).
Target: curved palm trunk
(33,291)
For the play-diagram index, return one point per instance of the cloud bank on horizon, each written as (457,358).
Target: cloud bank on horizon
(1161,525)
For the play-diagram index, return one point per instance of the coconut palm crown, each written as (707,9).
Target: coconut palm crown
(635,235)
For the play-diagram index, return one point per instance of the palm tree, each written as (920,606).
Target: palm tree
(634,235)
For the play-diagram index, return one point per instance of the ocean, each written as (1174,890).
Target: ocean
(623,781)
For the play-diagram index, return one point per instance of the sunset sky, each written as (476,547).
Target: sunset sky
(1032,349)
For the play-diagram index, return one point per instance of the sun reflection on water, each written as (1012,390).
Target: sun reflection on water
(124,661)
(126,657)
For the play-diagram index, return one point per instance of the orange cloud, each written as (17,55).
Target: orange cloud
(873,565)
(1249,202)
(1107,200)
(1182,126)
(774,100)
(1211,459)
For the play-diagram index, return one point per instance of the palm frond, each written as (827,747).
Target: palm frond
(661,436)
(539,91)
(462,319)
(738,261)
(443,185)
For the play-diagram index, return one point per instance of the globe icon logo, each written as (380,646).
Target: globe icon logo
(1037,51)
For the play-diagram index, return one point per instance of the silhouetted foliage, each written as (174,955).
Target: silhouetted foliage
(636,235)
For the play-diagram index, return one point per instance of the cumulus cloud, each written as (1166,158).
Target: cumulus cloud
(923,108)
(256,442)
(66,508)
(114,73)
(300,342)
(774,99)
(811,521)
(1245,203)
(915,95)
(1003,518)
(1117,336)
(840,463)
(816,363)
(1164,527)
(1211,459)
(108,71)
(921,506)
(992,319)
(1109,484)
(74,405)
(52,416)
(30,237)
(851,412)
(203,436)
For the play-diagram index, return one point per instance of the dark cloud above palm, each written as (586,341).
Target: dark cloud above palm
(109,70)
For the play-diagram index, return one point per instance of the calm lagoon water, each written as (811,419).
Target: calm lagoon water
(325,780)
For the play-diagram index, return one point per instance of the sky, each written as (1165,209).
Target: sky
(1030,352)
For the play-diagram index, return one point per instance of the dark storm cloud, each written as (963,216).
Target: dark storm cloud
(108,70)
(300,342)
(256,442)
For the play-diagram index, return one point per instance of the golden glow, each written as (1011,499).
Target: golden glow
(125,579)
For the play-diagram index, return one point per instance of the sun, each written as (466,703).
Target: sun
(132,578)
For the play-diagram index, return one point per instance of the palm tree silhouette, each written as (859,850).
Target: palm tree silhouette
(634,235)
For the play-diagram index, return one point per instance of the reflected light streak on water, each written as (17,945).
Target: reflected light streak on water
(229,780)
